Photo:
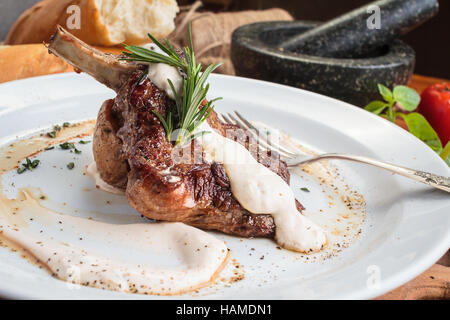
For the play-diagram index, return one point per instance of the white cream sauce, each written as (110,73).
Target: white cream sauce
(159,73)
(330,202)
(148,258)
(163,258)
(259,190)
(92,171)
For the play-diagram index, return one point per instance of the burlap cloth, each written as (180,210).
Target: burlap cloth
(211,32)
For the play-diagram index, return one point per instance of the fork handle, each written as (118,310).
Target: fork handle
(434,180)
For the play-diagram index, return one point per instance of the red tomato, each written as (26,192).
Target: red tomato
(435,107)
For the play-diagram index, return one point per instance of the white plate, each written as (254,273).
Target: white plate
(408,225)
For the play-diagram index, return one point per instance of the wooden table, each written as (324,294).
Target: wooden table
(419,83)
(435,282)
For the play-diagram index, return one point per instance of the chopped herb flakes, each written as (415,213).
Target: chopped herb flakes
(28,165)
(305,189)
(21,170)
(51,134)
(70,165)
(68,146)
(84,142)
(56,128)
(31,164)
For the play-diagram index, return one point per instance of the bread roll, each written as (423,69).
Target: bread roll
(102,22)
(24,61)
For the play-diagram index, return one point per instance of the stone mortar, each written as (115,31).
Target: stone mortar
(255,54)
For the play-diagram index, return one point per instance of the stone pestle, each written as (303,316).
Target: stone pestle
(360,32)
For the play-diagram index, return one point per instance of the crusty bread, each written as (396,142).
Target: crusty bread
(102,22)
(24,61)
(32,60)
(114,50)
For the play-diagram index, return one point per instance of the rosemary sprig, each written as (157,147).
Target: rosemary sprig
(187,114)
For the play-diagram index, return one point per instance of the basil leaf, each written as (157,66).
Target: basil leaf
(445,154)
(408,98)
(420,127)
(376,106)
(385,93)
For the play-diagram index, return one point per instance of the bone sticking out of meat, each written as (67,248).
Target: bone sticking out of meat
(104,67)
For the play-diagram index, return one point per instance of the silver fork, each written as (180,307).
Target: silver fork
(294,159)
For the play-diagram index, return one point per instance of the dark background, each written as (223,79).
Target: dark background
(431,40)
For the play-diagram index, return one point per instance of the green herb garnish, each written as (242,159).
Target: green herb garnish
(56,128)
(84,142)
(49,148)
(28,165)
(70,165)
(408,99)
(67,145)
(188,113)
(305,189)
(51,134)
(21,170)
(35,163)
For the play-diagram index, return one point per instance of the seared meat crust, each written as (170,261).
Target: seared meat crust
(129,135)
(107,148)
